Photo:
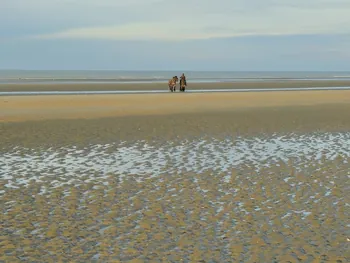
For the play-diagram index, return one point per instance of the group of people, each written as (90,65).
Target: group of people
(172,83)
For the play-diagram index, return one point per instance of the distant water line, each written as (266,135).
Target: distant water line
(154,80)
(97,92)
(151,76)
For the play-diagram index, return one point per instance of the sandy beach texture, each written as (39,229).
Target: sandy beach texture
(163,86)
(17,108)
(229,177)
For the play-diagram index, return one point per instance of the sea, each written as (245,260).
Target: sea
(152,76)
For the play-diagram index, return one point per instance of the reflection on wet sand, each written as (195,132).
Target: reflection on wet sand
(279,198)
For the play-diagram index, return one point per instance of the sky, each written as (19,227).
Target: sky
(175,34)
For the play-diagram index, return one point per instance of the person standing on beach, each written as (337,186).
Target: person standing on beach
(183,78)
(182,82)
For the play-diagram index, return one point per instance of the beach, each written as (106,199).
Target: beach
(184,177)
(15,108)
(106,86)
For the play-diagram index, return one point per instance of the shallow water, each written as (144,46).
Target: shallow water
(148,160)
(59,76)
(95,92)
(276,198)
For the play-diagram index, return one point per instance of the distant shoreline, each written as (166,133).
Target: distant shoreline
(162,85)
(159,76)
(119,81)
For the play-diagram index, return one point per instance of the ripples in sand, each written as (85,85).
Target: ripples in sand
(269,199)
(146,160)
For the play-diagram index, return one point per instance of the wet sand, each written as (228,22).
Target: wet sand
(175,177)
(163,86)
(220,124)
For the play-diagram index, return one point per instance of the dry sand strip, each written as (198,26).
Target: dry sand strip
(24,108)
(24,87)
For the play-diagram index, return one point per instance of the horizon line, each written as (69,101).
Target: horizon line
(171,70)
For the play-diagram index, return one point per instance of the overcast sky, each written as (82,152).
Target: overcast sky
(175,34)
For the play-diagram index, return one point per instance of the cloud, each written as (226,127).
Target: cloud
(195,34)
(318,52)
(169,20)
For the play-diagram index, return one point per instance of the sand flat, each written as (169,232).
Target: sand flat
(23,108)
(243,177)
(251,84)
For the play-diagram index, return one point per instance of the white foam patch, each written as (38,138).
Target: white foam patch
(69,165)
